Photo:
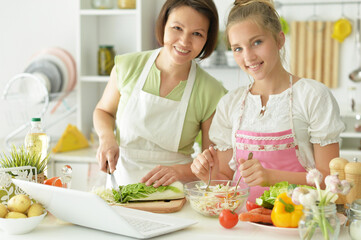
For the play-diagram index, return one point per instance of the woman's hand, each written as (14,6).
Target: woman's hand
(203,162)
(253,173)
(107,155)
(161,175)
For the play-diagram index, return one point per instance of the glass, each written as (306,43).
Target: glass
(126,4)
(102,4)
(319,222)
(106,56)
(354,216)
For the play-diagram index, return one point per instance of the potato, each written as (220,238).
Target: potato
(3,210)
(35,210)
(19,203)
(15,215)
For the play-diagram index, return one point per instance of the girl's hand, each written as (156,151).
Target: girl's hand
(161,175)
(203,162)
(107,155)
(253,173)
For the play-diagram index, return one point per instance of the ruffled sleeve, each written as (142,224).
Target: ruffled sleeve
(324,118)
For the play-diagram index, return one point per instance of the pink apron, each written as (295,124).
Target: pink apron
(276,150)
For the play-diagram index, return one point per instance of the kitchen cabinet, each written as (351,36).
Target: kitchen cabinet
(350,139)
(128,30)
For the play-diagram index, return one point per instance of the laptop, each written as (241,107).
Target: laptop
(89,210)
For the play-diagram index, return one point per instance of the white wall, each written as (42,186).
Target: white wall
(27,26)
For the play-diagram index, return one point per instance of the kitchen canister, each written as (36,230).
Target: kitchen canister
(126,4)
(106,56)
(354,217)
(102,4)
(353,175)
(337,166)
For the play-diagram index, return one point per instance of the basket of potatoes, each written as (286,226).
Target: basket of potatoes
(20,215)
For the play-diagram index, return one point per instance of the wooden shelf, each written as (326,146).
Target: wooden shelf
(351,135)
(106,12)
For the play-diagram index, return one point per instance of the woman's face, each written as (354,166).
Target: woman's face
(185,34)
(254,49)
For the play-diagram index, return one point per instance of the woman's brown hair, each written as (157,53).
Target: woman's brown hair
(205,7)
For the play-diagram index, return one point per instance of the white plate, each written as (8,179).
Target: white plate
(272,228)
(290,230)
(61,65)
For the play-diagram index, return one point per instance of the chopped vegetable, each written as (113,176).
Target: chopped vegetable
(285,213)
(251,205)
(268,197)
(140,192)
(255,217)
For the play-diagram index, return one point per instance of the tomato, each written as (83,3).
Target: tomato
(251,205)
(54,181)
(228,218)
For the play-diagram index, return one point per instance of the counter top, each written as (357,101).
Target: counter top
(206,228)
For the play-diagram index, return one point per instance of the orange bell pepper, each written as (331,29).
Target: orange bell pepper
(285,213)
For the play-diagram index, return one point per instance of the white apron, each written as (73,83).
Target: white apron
(155,121)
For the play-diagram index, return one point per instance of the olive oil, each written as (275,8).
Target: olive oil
(36,140)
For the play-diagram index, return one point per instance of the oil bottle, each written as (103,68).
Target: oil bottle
(36,140)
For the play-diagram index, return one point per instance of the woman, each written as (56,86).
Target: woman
(289,123)
(159,100)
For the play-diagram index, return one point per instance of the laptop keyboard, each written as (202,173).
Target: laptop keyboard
(143,225)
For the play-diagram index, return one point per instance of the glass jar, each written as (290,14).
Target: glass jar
(319,222)
(126,4)
(102,4)
(106,56)
(354,217)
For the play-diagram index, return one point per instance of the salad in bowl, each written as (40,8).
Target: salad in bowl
(222,194)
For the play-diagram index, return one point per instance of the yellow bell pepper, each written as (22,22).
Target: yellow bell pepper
(285,213)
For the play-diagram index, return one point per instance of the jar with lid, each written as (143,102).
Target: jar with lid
(102,4)
(354,216)
(126,4)
(106,56)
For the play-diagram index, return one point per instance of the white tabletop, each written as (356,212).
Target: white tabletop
(206,228)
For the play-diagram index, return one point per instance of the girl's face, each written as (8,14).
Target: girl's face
(255,49)
(185,34)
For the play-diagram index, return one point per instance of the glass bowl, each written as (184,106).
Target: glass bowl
(221,196)
(14,226)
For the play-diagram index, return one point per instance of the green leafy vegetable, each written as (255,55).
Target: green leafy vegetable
(268,197)
(139,191)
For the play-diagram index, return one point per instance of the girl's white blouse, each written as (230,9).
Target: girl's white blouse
(316,117)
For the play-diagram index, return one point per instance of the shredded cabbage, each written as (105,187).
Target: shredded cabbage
(105,193)
(218,198)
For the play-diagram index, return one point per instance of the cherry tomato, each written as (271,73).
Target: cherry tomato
(251,205)
(54,181)
(228,218)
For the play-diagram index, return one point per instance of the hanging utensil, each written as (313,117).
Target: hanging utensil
(356,74)
(341,28)
(250,156)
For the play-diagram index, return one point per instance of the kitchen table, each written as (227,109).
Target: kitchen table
(206,228)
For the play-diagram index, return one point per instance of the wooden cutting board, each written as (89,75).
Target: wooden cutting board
(163,206)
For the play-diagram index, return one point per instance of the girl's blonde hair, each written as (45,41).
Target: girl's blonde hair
(262,12)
